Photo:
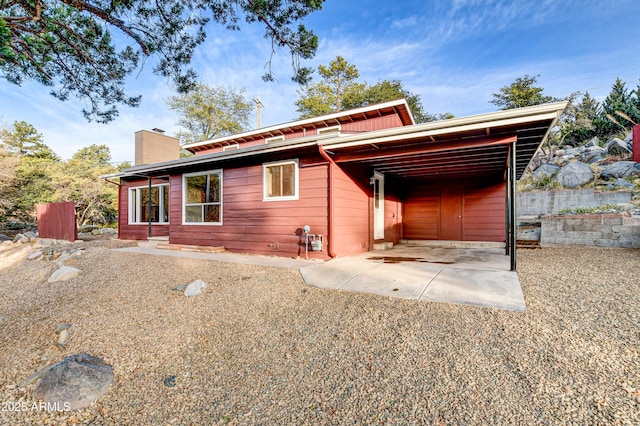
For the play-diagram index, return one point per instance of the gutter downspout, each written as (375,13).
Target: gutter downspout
(332,163)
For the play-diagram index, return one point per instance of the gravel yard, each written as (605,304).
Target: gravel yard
(261,347)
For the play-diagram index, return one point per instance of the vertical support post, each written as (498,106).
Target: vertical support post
(512,204)
(507,215)
(149,207)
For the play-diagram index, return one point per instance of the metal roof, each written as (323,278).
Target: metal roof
(456,148)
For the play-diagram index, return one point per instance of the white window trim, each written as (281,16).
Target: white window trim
(330,129)
(133,209)
(296,172)
(184,197)
(231,147)
(274,139)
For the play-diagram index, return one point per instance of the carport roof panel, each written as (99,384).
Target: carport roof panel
(469,146)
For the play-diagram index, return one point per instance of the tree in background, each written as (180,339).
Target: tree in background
(339,91)
(619,103)
(68,45)
(521,93)
(577,123)
(78,180)
(31,173)
(24,140)
(208,112)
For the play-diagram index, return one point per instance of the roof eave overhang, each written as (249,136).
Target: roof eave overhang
(547,112)
(399,105)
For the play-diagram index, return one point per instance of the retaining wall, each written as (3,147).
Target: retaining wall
(534,203)
(606,230)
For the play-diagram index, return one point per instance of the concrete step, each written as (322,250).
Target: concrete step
(452,244)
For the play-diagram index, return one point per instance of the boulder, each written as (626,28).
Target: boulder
(621,169)
(21,238)
(544,171)
(617,147)
(75,382)
(4,238)
(575,174)
(108,231)
(592,154)
(593,142)
(620,183)
(64,273)
(35,255)
(195,288)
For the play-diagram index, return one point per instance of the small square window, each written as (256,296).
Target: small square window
(280,181)
(202,195)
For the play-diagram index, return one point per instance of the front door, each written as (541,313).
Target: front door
(451,213)
(378,206)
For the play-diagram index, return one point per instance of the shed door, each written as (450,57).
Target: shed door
(451,213)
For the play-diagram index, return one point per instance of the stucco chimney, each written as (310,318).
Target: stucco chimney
(155,147)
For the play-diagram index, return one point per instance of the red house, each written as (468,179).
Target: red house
(355,178)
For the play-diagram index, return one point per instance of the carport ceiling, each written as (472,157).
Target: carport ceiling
(470,154)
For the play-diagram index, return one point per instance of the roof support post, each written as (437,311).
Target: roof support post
(149,207)
(512,204)
(507,209)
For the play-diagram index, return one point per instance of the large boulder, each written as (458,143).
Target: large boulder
(621,169)
(195,288)
(575,174)
(617,147)
(75,382)
(593,142)
(593,154)
(64,273)
(544,171)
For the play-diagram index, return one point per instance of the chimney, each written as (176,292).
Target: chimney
(155,147)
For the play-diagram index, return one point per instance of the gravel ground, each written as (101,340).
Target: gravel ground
(261,347)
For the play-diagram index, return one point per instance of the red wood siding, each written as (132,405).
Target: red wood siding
(57,221)
(251,225)
(483,212)
(377,123)
(138,231)
(351,210)
(421,218)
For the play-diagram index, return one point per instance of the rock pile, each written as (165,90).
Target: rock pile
(573,167)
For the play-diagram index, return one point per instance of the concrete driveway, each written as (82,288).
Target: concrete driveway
(469,276)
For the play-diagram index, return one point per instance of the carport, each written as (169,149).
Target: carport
(456,178)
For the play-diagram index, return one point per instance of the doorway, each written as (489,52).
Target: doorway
(378,206)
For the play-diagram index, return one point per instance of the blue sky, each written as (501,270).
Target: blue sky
(455,54)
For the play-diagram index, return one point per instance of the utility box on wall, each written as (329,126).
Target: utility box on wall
(57,221)
(636,143)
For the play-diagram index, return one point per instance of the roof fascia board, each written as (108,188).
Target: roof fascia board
(222,155)
(304,122)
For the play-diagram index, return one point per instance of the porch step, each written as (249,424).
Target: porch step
(452,244)
(383,246)
(187,247)
(152,242)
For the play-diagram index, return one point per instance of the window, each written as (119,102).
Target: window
(202,195)
(333,130)
(139,211)
(231,147)
(280,181)
(274,139)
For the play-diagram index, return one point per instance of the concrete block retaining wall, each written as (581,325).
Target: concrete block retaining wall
(534,203)
(607,230)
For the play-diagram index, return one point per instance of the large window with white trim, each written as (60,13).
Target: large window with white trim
(202,198)
(139,209)
(280,180)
